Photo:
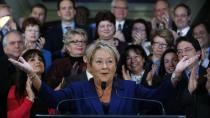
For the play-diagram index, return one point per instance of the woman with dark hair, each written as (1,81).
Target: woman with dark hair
(105,30)
(140,34)
(168,64)
(21,95)
(134,64)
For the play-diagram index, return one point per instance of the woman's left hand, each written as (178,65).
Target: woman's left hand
(29,90)
(22,65)
(193,81)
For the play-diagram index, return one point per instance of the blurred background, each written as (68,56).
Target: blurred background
(137,8)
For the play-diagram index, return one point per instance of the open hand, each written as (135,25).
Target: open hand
(22,65)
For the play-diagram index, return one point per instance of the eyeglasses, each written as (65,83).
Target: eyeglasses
(162,45)
(186,50)
(76,42)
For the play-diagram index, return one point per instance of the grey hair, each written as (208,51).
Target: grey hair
(72,32)
(100,44)
(5,41)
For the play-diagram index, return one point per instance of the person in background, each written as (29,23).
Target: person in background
(33,40)
(54,36)
(140,34)
(122,24)
(75,42)
(160,40)
(105,26)
(39,12)
(168,64)
(21,100)
(182,18)
(134,64)
(82,15)
(201,32)
(108,90)
(162,17)
(192,97)
(13,46)
(6,11)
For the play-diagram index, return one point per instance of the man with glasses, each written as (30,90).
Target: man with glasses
(192,97)
(123,25)
(182,17)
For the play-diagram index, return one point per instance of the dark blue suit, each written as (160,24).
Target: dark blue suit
(117,105)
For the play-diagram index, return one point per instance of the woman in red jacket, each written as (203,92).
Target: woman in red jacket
(21,96)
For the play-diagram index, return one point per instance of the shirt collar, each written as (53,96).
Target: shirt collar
(183,31)
(70,24)
(89,75)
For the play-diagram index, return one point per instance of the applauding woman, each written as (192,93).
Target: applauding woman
(21,95)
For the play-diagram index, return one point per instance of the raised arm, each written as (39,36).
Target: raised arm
(26,67)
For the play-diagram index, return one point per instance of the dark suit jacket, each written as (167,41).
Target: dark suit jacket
(117,105)
(195,105)
(127,30)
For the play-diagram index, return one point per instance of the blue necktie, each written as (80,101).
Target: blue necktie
(119,27)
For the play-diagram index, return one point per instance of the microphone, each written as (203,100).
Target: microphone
(139,99)
(103,87)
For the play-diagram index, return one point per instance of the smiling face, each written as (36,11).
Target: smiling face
(134,62)
(170,61)
(106,30)
(76,45)
(103,65)
(181,17)
(200,33)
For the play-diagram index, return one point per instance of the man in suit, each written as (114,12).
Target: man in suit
(162,16)
(182,17)
(190,100)
(13,47)
(5,10)
(123,25)
(54,36)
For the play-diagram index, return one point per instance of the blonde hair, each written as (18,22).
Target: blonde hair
(73,32)
(100,44)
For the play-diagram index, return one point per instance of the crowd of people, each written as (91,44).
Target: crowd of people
(106,66)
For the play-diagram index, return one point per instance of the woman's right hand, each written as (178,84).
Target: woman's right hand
(151,74)
(125,73)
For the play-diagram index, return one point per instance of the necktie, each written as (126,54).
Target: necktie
(119,27)
(179,33)
(68,28)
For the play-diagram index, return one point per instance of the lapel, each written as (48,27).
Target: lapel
(91,92)
(115,100)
